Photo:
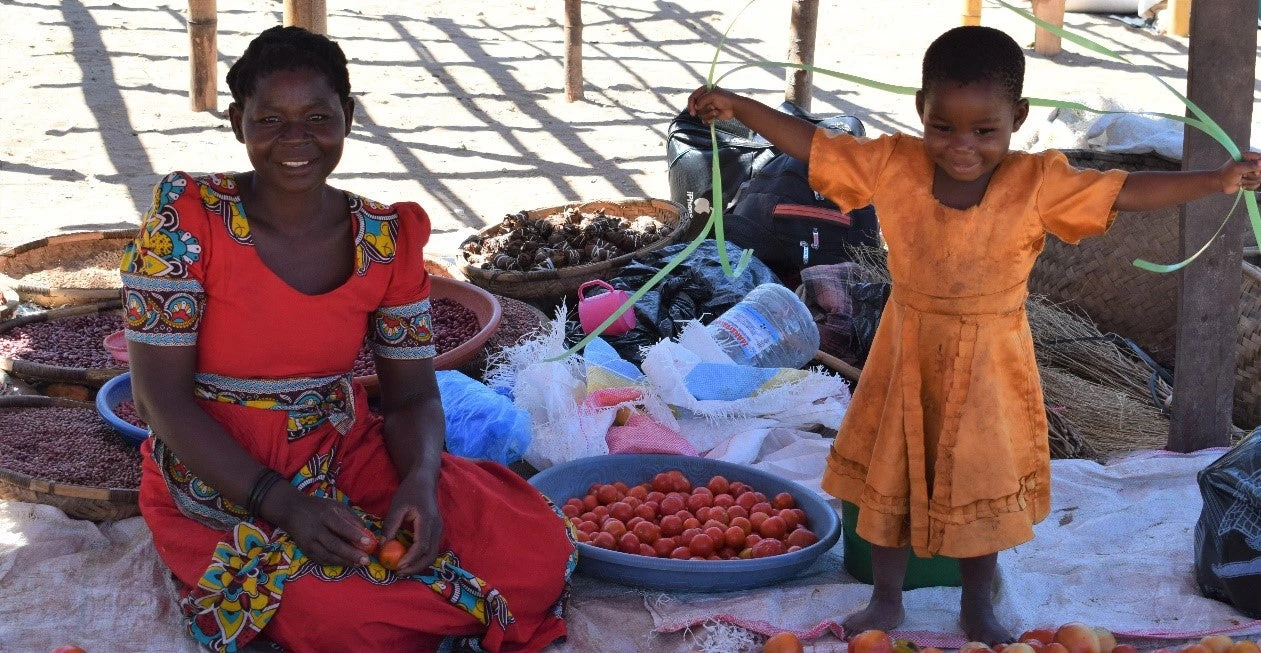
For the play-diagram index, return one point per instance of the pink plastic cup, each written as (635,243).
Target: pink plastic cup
(595,309)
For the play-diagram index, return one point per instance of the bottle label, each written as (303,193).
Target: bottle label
(749,329)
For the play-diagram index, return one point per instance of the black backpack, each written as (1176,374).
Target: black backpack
(741,153)
(788,225)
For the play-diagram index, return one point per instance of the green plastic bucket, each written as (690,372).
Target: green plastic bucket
(937,571)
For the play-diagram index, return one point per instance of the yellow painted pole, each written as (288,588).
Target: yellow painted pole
(971,12)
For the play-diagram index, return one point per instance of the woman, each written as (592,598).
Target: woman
(247,298)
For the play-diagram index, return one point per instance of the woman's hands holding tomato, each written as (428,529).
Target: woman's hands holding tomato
(414,508)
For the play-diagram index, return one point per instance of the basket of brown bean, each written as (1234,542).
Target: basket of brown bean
(66,269)
(62,346)
(464,317)
(545,254)
(61,453)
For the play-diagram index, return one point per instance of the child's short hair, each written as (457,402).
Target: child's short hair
(973,53)
(289,48)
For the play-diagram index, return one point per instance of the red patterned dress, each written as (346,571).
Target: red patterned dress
(273,369)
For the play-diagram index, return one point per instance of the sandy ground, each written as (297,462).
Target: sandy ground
(461,103)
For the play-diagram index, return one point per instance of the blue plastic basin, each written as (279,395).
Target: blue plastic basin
(114,392)
(572,479)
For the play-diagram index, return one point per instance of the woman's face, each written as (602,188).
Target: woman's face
(968,128)
(293,127)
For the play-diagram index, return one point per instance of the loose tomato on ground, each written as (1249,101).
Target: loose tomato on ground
(784,642)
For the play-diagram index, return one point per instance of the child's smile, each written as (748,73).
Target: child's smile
(968,128)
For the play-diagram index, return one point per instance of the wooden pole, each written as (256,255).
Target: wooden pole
(311,15)
(971,12)
(801,33)
(203,55)
(573,50)
(1180,17)
(1221,74)
(1052,11)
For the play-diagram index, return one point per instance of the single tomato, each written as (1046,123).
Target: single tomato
(718,485)
(767,548)
(869,641)
(784,500)
(802,537)
(391,552)
(784,642)
(773,528)
(68,649)
(701,545)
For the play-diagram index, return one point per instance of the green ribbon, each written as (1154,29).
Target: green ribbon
(1201,121)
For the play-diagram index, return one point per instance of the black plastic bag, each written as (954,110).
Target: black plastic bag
(1228,533)
(696,290)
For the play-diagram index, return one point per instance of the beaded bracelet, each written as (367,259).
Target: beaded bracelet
(262,485)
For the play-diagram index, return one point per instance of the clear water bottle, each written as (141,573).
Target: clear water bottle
(770,327)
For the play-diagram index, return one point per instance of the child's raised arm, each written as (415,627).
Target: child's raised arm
(1146,190)
(792,135)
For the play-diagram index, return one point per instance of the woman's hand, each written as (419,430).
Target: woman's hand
(415,508)
(327,531)
(1246,174)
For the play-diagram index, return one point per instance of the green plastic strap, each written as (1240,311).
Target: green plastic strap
(1205,123)
(1202,121)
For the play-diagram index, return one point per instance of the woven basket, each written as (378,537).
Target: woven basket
(77,501)
(1098,278)
(62,250)
(41,373)
(549,285)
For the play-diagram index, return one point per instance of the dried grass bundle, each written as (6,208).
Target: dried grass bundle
(1109,420)
(1070,341)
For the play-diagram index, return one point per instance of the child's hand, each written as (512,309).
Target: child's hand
(1244,174)
(710,104)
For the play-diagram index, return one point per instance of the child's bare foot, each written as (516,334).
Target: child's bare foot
(980,625)
(881,614)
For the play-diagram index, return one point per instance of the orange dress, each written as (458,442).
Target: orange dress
(944,446)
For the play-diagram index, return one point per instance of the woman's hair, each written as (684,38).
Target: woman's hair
(289,48)
(973,53)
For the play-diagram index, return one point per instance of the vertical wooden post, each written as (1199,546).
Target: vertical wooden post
(311,15)
(1180,17)
(1221,74)
(801,32)
(971,13)
(1052,11)
(573,50)
(203,55)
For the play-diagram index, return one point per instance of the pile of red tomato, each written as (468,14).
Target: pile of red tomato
(669,517)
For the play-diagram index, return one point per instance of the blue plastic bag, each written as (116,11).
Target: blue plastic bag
(482,423)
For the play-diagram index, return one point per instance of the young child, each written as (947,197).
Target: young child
(944,447)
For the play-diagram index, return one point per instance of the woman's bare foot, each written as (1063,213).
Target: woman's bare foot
(881,614)
(980,625)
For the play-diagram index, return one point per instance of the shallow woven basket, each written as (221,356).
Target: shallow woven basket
(1098,277)
(77,501)
(548,285)
(52,251)
(41,373)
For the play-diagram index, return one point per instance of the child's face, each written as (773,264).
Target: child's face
(967,128)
